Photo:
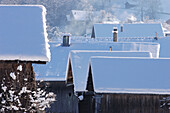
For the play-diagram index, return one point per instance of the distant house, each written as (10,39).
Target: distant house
(136,30)
(168,21)
(134,85)
(23,41)
(80,15)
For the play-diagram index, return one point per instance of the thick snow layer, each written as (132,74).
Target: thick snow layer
(80,62)
(23,33)
(56,69)
(129,30)
(133,75)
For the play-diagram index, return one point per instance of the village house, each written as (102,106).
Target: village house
(67,58)
(136,85)
(23,42)
(134,30)
(80,15)
(90,101)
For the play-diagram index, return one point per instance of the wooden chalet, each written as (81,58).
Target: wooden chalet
(132,86)
(62,74)
(23,42)
(77,74)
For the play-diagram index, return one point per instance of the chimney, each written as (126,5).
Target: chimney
(66,40)
(156,36)
(115,33)
(110,48)
(121,28)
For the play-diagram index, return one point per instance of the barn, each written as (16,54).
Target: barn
(23,42)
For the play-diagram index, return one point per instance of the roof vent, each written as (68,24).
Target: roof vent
(66,40)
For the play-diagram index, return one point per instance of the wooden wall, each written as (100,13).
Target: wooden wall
(128,103)
(24,78)
(66,101)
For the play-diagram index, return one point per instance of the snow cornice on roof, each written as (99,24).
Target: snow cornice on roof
(130,75)
(23,34)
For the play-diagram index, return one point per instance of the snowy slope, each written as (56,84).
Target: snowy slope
(23,33)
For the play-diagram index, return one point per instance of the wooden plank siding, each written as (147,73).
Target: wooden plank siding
(24,78)
(128,103)
(66,101)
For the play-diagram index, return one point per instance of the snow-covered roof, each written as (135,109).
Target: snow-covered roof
(80,62)
(131,75)
(23,33)
(56,69)
(136,30)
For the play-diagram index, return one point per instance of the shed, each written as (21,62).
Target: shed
(23,41)
(135,30)
(136,89)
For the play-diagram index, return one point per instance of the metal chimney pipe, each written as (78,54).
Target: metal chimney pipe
(115,34)
(121,28)
(66,40)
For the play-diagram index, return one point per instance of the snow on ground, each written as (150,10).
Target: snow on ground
(133,75)
(23,33)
